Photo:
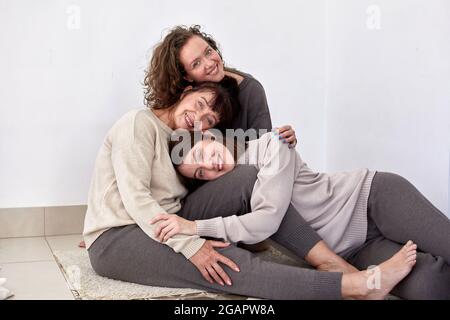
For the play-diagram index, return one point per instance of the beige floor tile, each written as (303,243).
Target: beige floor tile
(14,250)
(35,281)
(69,242)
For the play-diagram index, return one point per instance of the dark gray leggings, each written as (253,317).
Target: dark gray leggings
(398,212)
(128,254)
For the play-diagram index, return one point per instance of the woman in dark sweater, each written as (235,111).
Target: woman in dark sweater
(187,56)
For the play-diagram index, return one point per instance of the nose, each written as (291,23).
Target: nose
(218,163)
(209,64)
(201,118)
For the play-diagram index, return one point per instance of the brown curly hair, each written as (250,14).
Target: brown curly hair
(164,80)
(222,102)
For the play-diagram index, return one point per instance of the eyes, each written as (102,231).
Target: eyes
(209,51)
(210,120)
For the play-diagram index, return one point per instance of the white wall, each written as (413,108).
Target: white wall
(389,90)
(357,97)
(62,87)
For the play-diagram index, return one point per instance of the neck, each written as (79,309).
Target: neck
(236,76)
(165,115)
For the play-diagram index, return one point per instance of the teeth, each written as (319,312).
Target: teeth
(213,71)
(188,120)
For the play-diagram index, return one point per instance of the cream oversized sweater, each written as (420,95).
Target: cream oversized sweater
(335,205)
(134,180)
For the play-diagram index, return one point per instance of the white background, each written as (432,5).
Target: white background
(357,96)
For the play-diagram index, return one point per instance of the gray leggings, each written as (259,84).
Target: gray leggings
(398,212)
(128,254)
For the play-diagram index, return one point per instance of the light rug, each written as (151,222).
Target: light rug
(85,284)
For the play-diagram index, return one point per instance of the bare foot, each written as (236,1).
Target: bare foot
(82,244)
(377,282)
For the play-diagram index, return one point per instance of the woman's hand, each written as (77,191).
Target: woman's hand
(207,262)
(287,134)
(171,225)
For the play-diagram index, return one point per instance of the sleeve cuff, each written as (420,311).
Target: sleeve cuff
(208,228)
(193,247)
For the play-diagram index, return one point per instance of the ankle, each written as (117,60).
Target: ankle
(354,286)
(320,254)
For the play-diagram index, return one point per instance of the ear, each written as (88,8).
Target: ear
(184,91)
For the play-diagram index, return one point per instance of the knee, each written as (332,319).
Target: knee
(96,264)
(392,183)
(390,178)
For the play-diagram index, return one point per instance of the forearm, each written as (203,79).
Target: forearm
(250,228)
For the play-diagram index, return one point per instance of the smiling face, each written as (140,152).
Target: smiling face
(207,160)
(200,61)
(194,111)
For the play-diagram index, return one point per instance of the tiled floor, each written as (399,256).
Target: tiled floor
(30,268)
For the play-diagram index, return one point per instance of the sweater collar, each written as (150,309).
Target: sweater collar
(161,123)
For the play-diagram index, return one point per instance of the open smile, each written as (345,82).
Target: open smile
(188,120)
(214,71)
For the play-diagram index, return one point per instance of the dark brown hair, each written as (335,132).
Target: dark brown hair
(221,103)
(164,80)
(188,139)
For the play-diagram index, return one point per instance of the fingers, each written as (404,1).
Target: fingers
(159,217)
(219,244)
(222,258)
(292,141)
(160,227)
(170,234)
(206,275)
(287,135)
(214,275)
(282,129)
(165,231)
(228,262)
(223,275)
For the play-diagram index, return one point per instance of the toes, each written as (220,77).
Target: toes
(410,245)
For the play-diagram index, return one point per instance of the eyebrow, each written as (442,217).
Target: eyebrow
(206,101)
